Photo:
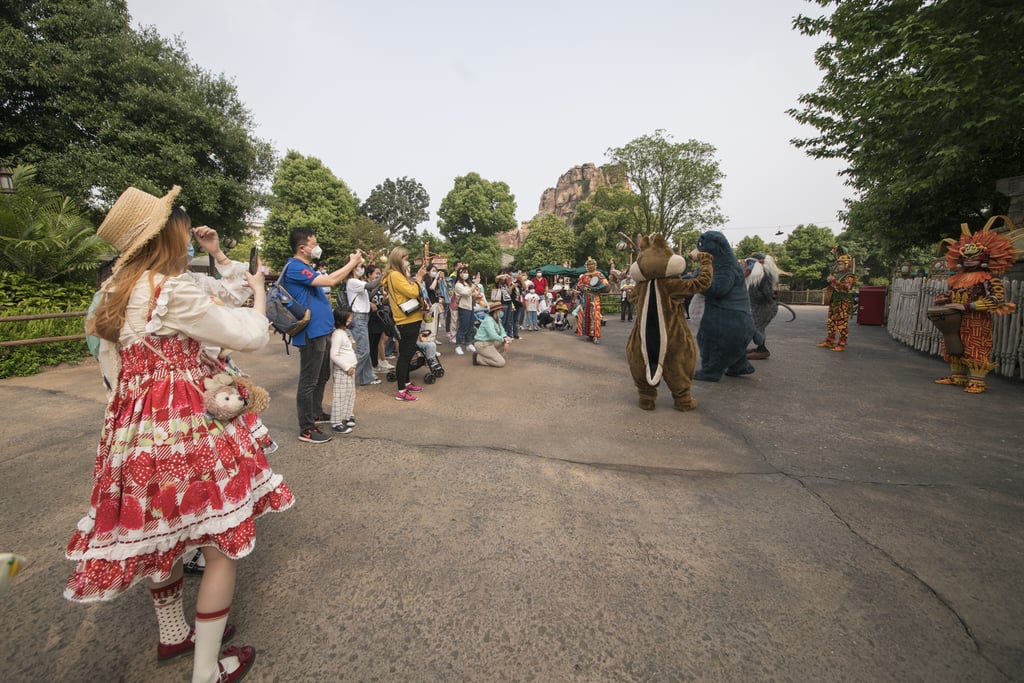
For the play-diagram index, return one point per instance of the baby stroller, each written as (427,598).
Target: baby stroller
(425,355)
(561,319)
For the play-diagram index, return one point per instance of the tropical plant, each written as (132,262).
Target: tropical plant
(45,235)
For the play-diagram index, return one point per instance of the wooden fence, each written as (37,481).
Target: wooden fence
(909,301)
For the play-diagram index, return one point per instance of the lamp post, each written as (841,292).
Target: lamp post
(6,178)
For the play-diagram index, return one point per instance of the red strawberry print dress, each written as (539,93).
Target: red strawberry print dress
(167,478)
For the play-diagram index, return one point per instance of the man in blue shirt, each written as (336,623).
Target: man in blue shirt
(304,283)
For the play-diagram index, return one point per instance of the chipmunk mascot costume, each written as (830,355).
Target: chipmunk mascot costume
(726,326)
(661,345)
(976,293)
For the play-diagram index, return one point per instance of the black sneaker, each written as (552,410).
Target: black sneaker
(314,435)
(351,421)
(341,428)
(323,417)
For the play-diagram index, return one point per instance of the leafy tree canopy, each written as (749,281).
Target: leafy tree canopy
(476,206)
(45,235)
(550,241)
(399,205)
(598,222)
(98,106)
(678,184)
(752,244)
(306,194)
(922,98)
(807,256)
(481,253)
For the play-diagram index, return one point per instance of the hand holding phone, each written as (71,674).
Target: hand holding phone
(254,260)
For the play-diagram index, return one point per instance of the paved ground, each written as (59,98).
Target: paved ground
(832,517)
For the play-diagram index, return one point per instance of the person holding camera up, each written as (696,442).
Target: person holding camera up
(304,284)
(407,311)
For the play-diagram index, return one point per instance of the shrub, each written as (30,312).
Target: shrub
(23,295)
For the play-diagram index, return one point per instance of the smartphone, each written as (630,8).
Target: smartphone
(254,260)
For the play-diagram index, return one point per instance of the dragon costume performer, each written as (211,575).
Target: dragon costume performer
(976,260)
(840,292)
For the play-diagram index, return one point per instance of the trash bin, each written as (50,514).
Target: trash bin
(871,309)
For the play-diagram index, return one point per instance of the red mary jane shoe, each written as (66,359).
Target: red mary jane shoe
(246,656)
(165,652)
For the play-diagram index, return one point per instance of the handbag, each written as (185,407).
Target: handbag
(495,294)
(410,306)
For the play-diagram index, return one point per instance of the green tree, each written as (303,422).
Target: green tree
(550,241)
(808,256)
(678,184)
(481,253)
(751,244)
(922,99)
(599,220)
(399,205)
(45,235)
(98,106)
(476,206)
(306,194)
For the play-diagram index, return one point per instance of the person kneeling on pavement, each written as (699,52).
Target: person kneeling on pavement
(491,340)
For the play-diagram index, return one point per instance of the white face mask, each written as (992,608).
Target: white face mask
(360,272)
(316,252)
(464,276)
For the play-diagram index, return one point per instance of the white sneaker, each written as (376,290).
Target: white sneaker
(385,365)
(459,351)
(472,349)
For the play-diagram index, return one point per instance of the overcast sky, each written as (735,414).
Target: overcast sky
(522,91)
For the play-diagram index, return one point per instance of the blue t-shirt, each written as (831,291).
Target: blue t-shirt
(298,280)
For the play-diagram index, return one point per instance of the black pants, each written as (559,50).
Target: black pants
(406,350)
(627,309)
(314,371)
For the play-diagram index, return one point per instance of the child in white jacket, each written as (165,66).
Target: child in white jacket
(343,366)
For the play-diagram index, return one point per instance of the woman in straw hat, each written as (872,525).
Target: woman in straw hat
(167,479)
(491,340)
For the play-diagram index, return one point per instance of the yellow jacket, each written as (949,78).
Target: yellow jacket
(400,289)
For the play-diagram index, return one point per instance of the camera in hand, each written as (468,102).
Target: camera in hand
(254,260)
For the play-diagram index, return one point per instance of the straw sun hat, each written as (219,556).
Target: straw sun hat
(496,306)
(134,219)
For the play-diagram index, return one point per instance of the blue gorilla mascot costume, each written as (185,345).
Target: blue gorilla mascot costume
(726,327)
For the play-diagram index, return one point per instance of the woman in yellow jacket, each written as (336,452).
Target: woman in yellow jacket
(401,289)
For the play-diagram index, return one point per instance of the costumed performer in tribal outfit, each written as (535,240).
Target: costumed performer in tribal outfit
(168,479)
(841,282)
(974,288)
(589,287)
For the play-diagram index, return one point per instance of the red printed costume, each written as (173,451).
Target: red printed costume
(974,288)
(590,286)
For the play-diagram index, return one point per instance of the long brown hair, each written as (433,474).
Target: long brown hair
(165,254)
(395,262)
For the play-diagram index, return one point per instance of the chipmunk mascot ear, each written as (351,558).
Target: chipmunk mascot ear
(661,346)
